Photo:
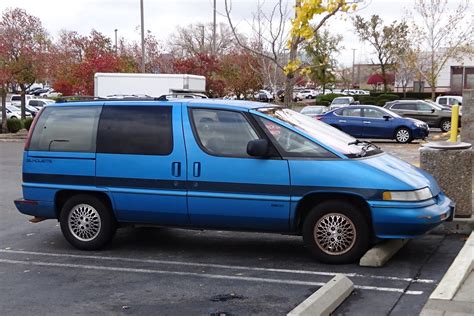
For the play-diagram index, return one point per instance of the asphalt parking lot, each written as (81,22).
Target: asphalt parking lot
(177,272)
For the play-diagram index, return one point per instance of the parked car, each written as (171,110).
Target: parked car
(434,115)
(355,92)
(306,94)
(51,94)
(341,102)
(29,110)
(15,99)
(38,92)
(449,100)
(12,112)
(39,103)
(220,165)
(369,121)
(263,95)
(314,110)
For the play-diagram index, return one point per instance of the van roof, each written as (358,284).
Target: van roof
(235,104)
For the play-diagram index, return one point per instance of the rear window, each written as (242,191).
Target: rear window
(136,130)
(16,98)
(66,129)
(404,106)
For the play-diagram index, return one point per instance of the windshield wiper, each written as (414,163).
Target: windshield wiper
(365,148)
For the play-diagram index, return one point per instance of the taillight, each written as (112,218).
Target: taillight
(32,127)
(318,117)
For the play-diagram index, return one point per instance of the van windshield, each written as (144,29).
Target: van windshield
(324,133)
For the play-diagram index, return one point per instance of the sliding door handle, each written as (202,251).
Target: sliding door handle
(176,169)
(197,169)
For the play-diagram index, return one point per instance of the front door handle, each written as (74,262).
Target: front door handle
(342,121)
(196,169)
(366,122)
(176,169)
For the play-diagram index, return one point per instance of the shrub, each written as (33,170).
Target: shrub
(13,125)
(328,97)
(323,102)
(27,123)
(365,99)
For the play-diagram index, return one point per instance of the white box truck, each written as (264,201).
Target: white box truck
(153,85)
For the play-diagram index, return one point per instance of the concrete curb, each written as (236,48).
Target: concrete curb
(457,272)
(325,300)
(381,253)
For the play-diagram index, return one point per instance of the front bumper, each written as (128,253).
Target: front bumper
(421,132)
(410,219)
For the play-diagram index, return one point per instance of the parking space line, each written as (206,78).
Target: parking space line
(202,275)
(219,266)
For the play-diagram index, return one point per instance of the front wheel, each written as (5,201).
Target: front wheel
(403,135)
(336,232)
(445,125)
(86,222)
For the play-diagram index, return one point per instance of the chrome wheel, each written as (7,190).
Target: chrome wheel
(403,135)
(446,126)
(335,234)
(84,222)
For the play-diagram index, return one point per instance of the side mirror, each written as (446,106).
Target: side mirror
(432,110)
(387,117)
(257,148)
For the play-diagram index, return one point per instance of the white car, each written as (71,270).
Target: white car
(340,102)
(39,103)
(15,99)
(14,113)
(51,94)
(267,93)
(449,100)
(306,94)
(355,92)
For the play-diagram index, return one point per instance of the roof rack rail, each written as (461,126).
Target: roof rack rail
(115,97)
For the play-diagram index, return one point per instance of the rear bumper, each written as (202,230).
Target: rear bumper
(43,209)
(407,219)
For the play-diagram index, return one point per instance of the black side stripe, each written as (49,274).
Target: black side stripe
(197,186)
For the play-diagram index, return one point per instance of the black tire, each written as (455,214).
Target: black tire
(445,125)
(338,213)
(87,210)
(403,135)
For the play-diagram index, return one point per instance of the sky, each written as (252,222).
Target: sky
(163,16)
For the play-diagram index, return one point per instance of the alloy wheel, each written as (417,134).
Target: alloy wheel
(335,234)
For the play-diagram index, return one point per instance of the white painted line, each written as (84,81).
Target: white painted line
(325,300)
(219,266)
(457,272)
(202,275)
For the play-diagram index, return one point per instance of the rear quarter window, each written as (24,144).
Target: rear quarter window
(66,129)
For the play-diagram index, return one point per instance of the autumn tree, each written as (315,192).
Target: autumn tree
(203,65)
(321,52)
(241,73)
(4,78)
(310,17)
(388,41)
(25,45)
(441,33)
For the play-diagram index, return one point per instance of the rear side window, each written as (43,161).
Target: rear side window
(351,112)
(16,98)
(66,129)
(135,130)
(443,101)
(404,106)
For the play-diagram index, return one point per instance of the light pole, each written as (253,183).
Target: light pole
(143,36)
(214,31)
(353,67)
(116,49)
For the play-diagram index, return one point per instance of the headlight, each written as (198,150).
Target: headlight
(417,195)
(420,124)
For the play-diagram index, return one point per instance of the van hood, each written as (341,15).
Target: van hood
(411,177)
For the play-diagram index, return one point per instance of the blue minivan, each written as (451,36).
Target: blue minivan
(213,164)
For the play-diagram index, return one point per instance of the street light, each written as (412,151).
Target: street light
(353,68)
(143,36)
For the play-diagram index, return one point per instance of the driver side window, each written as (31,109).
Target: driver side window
(293,144)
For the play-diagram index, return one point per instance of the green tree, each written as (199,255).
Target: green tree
(321,52)
(389,41)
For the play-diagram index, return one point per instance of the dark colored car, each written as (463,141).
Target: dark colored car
(433,114)
(369,121)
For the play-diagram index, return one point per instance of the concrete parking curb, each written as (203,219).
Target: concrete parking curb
(444,298)
(457,272)
(325,300)
(378,255)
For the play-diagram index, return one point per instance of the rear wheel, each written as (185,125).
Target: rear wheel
(403,135)
(336,232)
(86,222)
(445,125)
